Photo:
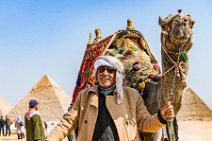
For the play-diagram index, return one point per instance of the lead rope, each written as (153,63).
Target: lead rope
(171,97)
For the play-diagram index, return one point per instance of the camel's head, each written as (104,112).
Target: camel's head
(177,27)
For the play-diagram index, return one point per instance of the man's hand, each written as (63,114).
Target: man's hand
(167,111)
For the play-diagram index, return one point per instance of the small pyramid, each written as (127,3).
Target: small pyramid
(5,106)
(54,102)
(194,108)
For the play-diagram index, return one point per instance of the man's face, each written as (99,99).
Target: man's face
(106,76)
(36,107)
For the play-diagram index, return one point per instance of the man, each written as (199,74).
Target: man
(2,122)
(8,123)
(109,111)
(19,124)
(33,123)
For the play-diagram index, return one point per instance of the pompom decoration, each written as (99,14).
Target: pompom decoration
(136,67)
(131,51)
(141,86)
(156,78)
(151,75)
(156,67)
(183,57)
(136,62)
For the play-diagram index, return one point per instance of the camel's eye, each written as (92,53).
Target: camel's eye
(177,22)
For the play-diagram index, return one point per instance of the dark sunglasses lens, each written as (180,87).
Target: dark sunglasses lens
(101,70)
(109,69)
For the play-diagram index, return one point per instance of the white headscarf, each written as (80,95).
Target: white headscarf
(116,64)
(19,119)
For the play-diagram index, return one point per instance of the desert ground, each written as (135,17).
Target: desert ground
(188,131)
(195,130)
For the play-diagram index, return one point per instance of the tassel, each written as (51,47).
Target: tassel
(183,56)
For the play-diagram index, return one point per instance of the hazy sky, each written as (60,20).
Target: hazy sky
(39,37)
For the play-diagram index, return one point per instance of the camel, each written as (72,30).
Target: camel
(142,71)
(176,38)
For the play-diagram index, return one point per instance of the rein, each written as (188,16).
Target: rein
(170,97)
(175,63)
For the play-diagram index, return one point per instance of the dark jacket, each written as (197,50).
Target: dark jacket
(2,122)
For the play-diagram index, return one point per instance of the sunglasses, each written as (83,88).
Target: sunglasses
(110,70)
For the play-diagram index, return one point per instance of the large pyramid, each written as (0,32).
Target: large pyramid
(5,106)
(54,102)
(193,108)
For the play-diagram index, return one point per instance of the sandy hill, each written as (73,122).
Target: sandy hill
(54,102)
(5,106)
(193,108)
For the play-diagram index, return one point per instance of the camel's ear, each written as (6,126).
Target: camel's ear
(191,21)
(165,28)
(192,24)
(160,21)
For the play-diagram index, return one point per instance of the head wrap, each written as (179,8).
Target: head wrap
(19,119)
(116,64)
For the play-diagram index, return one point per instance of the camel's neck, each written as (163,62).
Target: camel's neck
(174,69)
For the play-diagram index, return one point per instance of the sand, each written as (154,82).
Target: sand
(188,131)
(195,130)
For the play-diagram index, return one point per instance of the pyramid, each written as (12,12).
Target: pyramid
(5,106)
(54,102)
(193,108)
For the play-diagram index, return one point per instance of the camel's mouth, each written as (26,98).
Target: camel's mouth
(180,38)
